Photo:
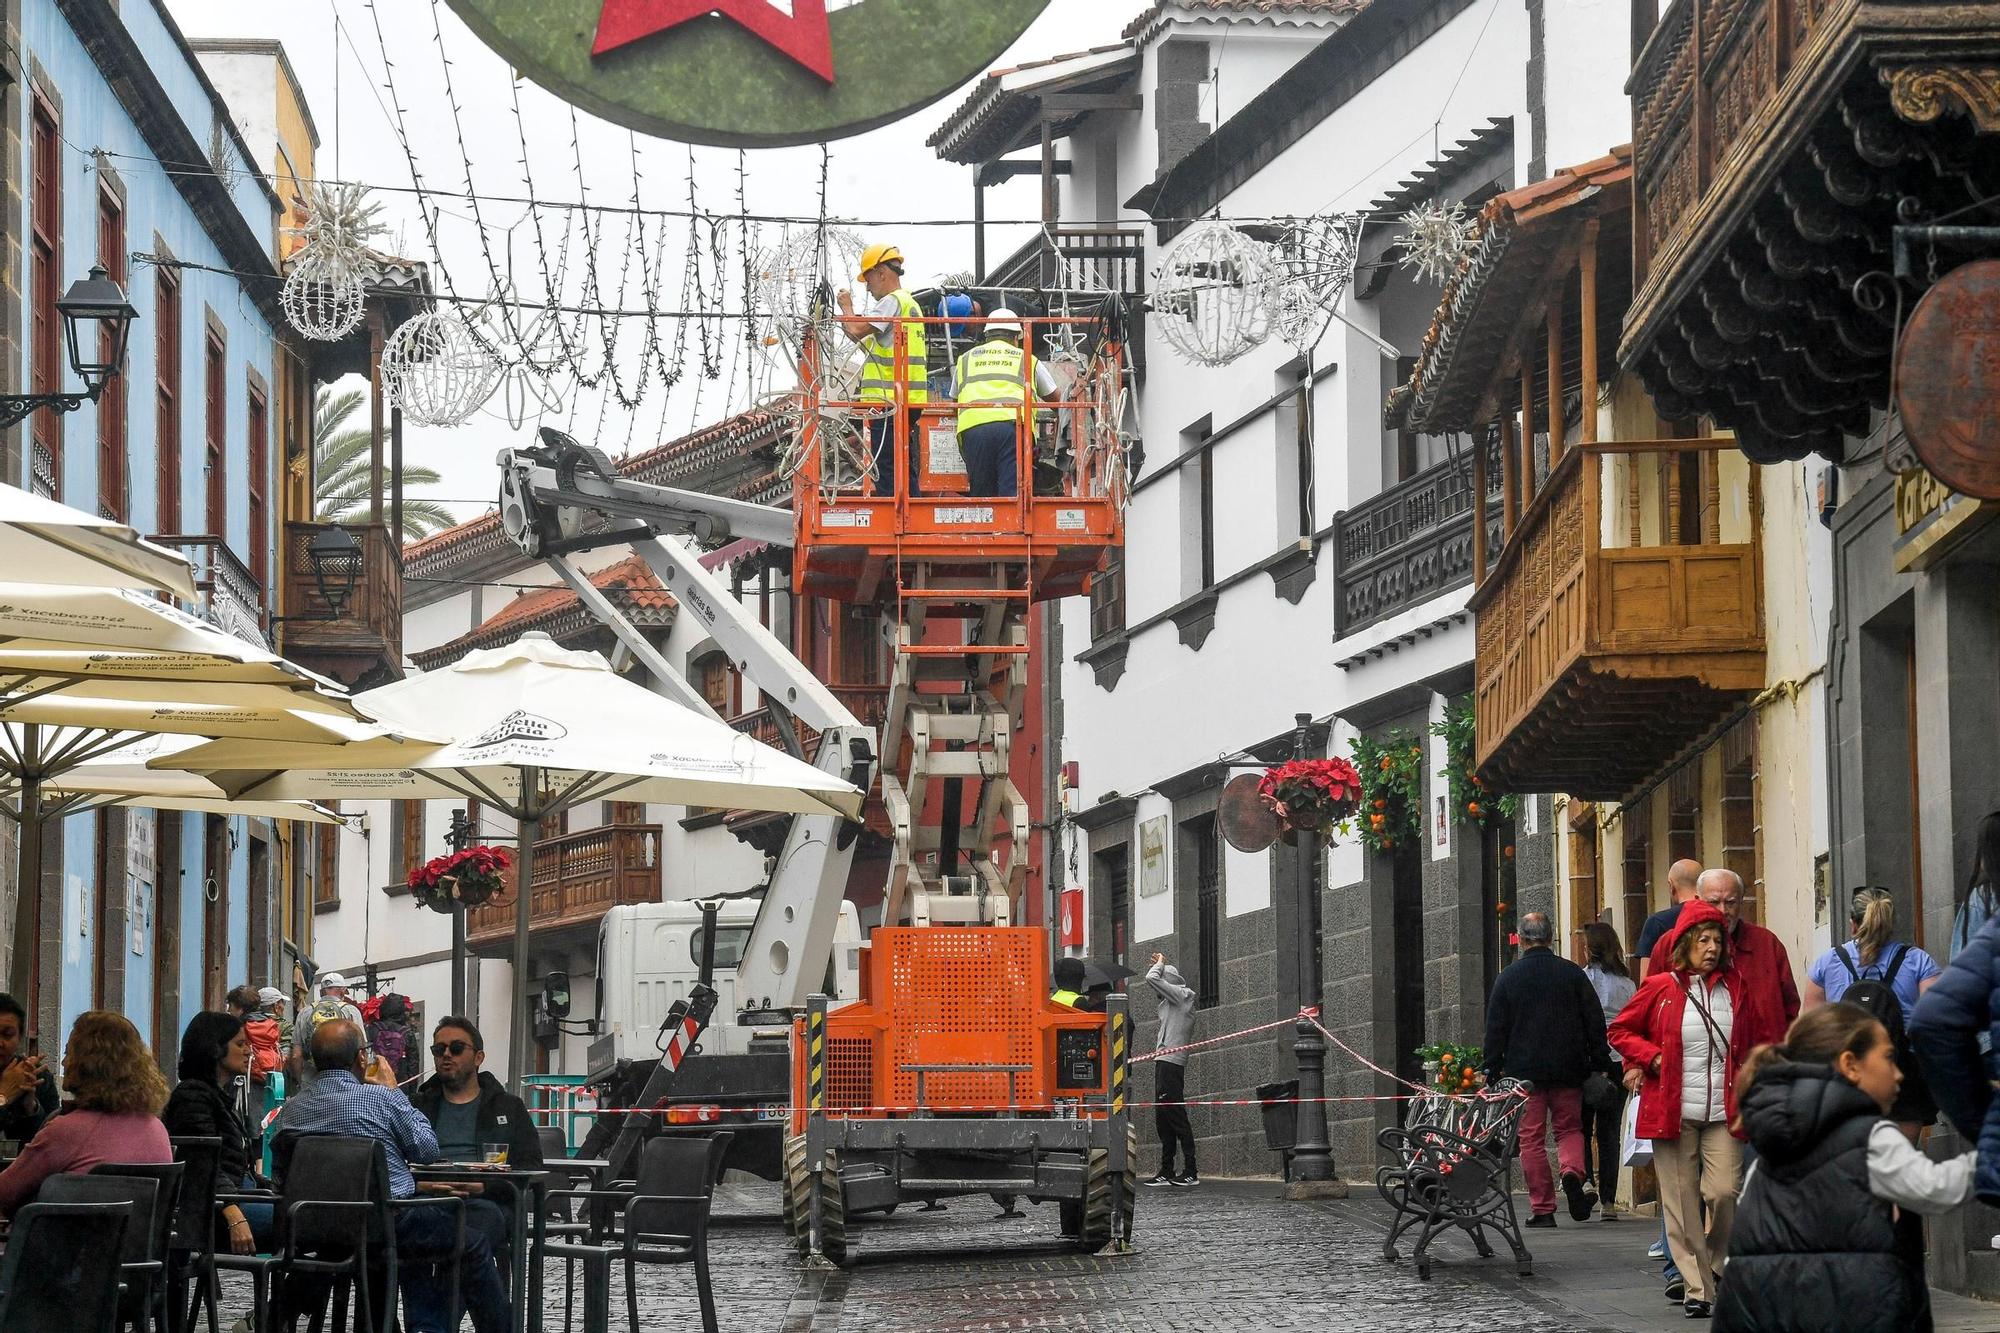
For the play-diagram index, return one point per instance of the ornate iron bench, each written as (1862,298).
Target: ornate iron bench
(1453,1167)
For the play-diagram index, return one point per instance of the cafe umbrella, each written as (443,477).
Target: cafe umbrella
(85,670)
(536,729)
(65,545)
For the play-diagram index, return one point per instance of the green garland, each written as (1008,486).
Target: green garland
(1392,789)
(1471,799)
(1456,1068)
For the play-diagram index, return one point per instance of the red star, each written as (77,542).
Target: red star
(803,36)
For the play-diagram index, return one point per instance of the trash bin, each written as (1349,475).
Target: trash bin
(1281,1114)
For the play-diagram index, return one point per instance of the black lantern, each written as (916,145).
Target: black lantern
(336,565)
(97,323)
(97,319)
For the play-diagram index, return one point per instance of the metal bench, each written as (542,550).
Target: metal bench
(1453,1167)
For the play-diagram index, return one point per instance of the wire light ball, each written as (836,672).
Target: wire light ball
(1315,258)
(1437,238)
(435,369)
(323,296)
(326,281)
(1212,293)
(788,277)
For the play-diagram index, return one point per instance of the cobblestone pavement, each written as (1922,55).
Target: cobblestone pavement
(1224,1257)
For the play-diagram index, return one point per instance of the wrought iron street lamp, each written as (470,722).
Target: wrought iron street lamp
(97,324)
(336,565)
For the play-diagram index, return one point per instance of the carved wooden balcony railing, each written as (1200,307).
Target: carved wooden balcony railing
(364,646)
(228,594)
(1110,259)
(1408,544)
(1598,661)
(578,877)
(1776,144)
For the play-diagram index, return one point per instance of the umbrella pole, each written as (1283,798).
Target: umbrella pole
(28,888)
(528,820)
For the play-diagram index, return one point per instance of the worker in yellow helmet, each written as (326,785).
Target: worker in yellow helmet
(894,318)
(990,383)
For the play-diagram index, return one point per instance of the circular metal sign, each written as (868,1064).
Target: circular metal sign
(745,73)
(1248,824)
(1948,380)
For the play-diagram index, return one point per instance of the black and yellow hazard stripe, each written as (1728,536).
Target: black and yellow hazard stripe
(1118,1044)
(815,1060)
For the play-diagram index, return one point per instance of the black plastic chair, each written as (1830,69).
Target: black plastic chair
(192,1281)
(142,1256)
(61,1267)
(171,1178)
(664,1220)
(338,1226)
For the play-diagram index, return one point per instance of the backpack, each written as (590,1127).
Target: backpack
(1878,997)
(263,1034)
(325,1011)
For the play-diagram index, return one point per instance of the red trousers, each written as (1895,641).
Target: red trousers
(1565,1107)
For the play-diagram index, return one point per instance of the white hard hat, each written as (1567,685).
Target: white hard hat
(332,979)
(1003,320)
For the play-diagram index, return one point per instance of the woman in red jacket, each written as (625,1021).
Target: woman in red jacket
(1678,1039)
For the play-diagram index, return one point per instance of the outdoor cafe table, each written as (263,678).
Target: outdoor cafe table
(530,1191)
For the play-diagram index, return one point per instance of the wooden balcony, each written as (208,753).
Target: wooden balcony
(1599,661)
(578,877)
(1777,146)
(1105,259)
(363,647)
(1408,544)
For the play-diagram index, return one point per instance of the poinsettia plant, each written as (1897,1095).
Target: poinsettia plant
(1311,795)
(461,879)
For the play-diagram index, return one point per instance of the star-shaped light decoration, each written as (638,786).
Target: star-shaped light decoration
(803,36)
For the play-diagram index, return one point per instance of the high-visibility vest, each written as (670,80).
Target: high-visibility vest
(994,372)
(1066,997)
(878,374)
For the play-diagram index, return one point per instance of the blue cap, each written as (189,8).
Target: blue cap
(957,305)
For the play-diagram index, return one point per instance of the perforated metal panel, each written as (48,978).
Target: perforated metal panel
(850,1073)
(962,996)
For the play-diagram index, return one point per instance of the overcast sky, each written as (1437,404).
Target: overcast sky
(884,174)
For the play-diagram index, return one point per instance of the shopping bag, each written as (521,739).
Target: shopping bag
(1637,1151)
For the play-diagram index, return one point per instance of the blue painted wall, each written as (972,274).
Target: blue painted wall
(100,137)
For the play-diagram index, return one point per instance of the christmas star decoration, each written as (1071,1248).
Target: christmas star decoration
(803,36)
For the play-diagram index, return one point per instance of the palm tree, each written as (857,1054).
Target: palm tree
(340,465)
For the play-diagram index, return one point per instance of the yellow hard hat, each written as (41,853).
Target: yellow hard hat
(877,254)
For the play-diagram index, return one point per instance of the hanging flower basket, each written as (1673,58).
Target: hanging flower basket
(462,879)
(1310,796)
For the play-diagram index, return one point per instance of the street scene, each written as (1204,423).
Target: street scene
(906,665)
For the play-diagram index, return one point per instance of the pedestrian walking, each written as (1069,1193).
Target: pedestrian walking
(1827,1232)
(1170,1117)
(1682,877)
(1946,1033)
(1982,891)
(1883,975)
(1767,996)
(1603,962)
(1545,1026)
(1682,1042)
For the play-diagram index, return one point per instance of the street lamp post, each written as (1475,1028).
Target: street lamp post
(458,838)
(1312,1155)
(97,323)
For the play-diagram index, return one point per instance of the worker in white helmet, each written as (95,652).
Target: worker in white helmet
(894,318)
(991,385)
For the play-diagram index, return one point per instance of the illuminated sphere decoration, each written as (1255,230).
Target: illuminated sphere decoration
(1211,294)
(437,371)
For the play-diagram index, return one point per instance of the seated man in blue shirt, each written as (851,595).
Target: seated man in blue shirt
(340,1102)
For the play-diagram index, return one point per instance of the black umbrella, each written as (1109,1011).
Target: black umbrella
(1097,974)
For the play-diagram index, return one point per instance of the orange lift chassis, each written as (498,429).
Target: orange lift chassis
(952,1073)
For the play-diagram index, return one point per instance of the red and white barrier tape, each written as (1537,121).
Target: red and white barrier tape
(1307,1015)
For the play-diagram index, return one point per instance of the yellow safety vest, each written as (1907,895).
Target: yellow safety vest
(878,375)
(994,372)
(1065,997)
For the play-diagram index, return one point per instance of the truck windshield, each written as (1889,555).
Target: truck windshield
(729,942)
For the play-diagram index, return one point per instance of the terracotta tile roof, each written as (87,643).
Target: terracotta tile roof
(630,584)
(1520,233)
(1280,11)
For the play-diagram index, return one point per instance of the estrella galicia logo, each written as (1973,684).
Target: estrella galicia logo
(518,725)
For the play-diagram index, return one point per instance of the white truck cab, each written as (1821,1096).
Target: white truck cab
(649,954)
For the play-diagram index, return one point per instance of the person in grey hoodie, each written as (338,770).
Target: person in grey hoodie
(1170,1117)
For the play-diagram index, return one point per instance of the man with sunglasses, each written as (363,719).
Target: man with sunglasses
(469,1108)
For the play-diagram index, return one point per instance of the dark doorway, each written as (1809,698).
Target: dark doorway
(167,938)
(260,911)
(1496,896)
(215,910)
(1112,870)
(1407,917)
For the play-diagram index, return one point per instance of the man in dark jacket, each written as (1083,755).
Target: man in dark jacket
(1545,1025)
(1944,1032)
(469,1109)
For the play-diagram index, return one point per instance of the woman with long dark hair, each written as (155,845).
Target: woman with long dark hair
(1982,891)
(1602,958)
(215,1052)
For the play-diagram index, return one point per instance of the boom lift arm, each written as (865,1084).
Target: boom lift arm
(547,496)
